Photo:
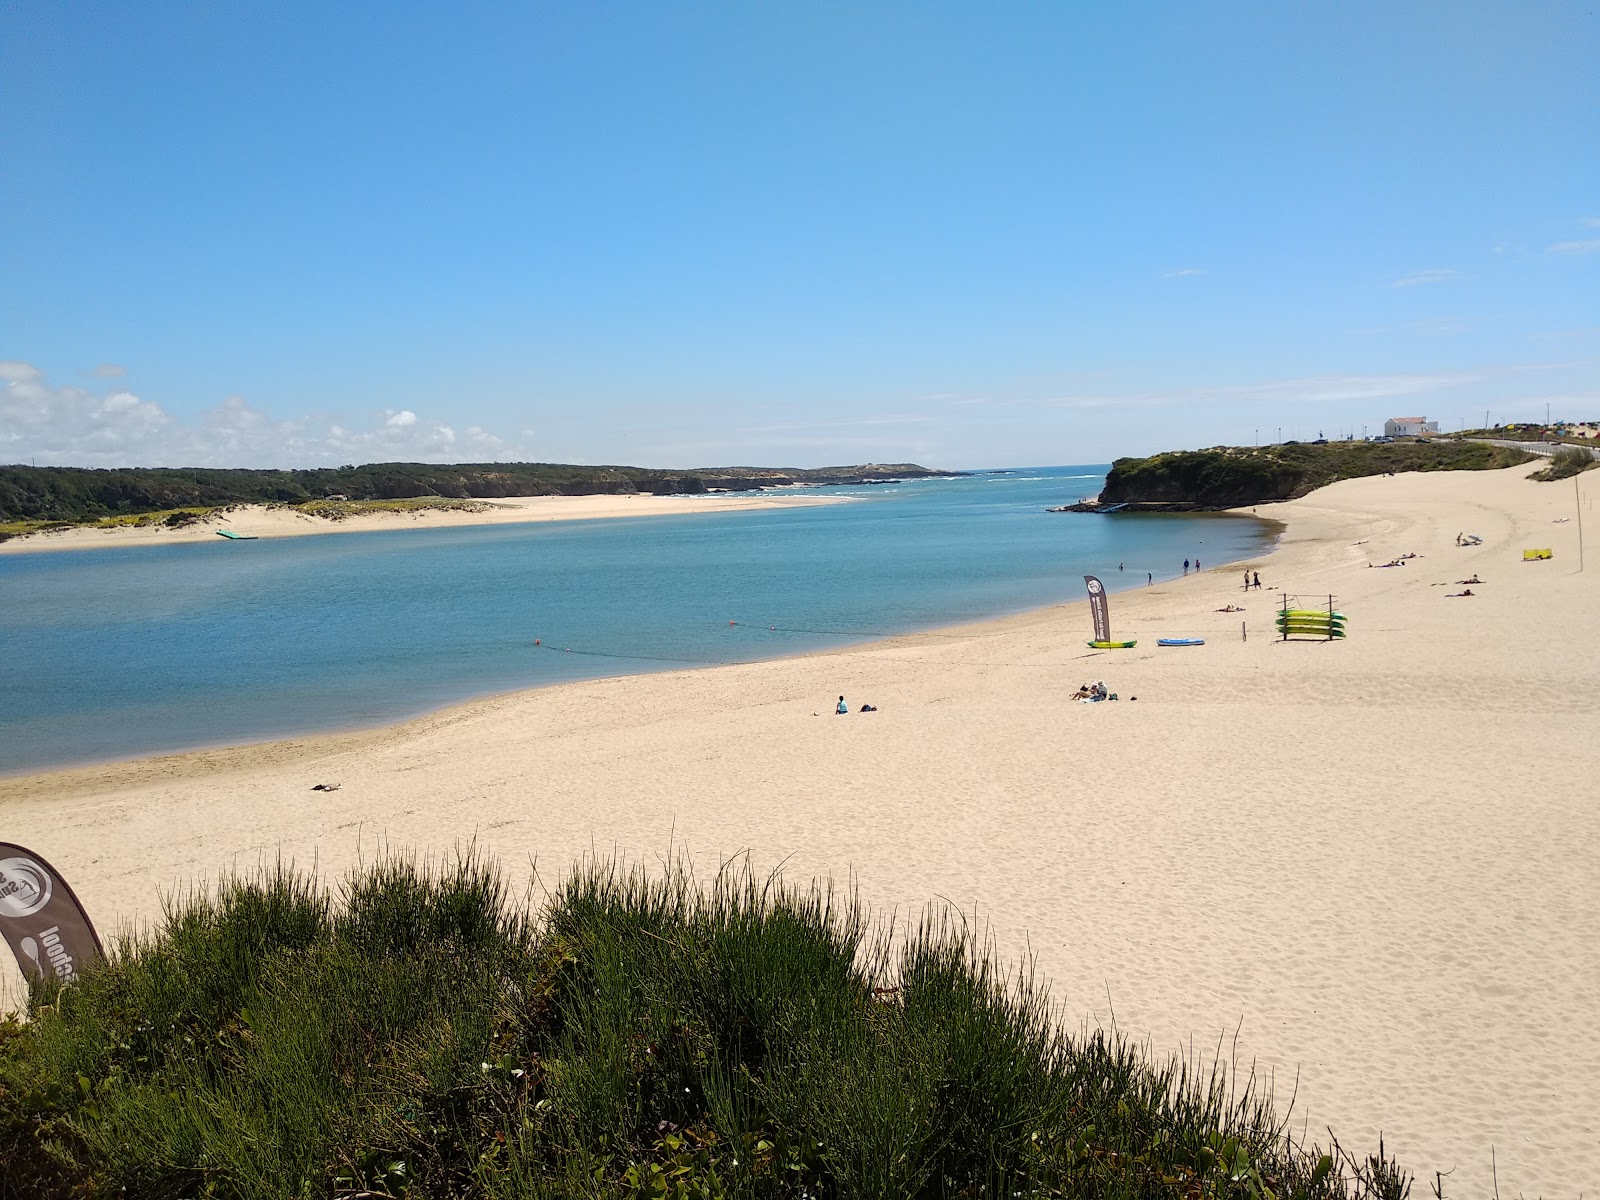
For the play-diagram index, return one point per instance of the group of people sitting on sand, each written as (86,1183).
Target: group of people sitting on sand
(1091,693)
(843,709)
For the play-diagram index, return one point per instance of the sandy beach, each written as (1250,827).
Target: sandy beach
(260,520)
(1374,862)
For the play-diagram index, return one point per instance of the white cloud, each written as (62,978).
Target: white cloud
(72,426)
(1573,248)
(1185,273)
(109,371)
(1432,275)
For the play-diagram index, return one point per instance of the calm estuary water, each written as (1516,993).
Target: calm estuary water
(126,652)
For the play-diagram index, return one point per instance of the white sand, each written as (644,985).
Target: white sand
(1378,859)
(259,520)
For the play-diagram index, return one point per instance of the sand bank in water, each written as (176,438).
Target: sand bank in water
(1377,859)
(258,520)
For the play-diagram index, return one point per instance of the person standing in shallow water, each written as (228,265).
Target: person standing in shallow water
(1186,566)
(1149,578)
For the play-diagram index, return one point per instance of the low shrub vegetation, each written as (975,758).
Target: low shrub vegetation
(1229,476)
(417,1034)
(338,510)
(1565,463)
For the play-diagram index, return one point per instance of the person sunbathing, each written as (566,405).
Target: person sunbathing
(1457,595)
(1474,579)
(1231,608)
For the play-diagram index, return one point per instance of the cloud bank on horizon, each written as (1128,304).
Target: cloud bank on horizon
(786,235)
(66,425)
(73,426)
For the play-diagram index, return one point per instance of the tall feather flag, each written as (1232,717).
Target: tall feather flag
(1098,609)
(41,919)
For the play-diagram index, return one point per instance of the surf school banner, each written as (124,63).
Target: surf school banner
(41,919)
(1098,609)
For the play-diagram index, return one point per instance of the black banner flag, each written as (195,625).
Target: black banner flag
(41,919)
(1097,608)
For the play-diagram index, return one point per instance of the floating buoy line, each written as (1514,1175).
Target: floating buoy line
(867,633)
(538,643)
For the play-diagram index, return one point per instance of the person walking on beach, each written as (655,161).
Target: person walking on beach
(1247,581)
(843,707)
(1258,579)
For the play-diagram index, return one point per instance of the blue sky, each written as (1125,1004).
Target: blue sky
(797,234)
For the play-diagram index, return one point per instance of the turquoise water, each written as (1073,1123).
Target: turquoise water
(125,652)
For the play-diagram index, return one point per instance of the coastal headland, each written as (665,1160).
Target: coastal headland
(1225,477)
(1365,866)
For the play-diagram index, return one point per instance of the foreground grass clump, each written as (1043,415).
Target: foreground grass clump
(417,1035)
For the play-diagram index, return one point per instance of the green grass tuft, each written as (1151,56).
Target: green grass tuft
(416,1034)
(1565,463)
(338,510)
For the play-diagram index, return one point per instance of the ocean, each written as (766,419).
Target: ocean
(132,651)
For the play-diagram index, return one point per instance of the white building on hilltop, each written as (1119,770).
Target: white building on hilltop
(1409,427)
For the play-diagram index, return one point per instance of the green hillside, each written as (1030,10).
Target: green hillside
(1230,476)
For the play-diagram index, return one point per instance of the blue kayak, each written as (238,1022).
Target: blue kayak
(1180,641)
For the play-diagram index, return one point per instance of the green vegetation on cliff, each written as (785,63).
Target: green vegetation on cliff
(420,1036)
(1229,476)
(77,495)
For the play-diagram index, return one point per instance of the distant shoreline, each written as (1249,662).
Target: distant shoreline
(276,521)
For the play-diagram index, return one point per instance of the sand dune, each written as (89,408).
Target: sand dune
(259,520)
(1377,859)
